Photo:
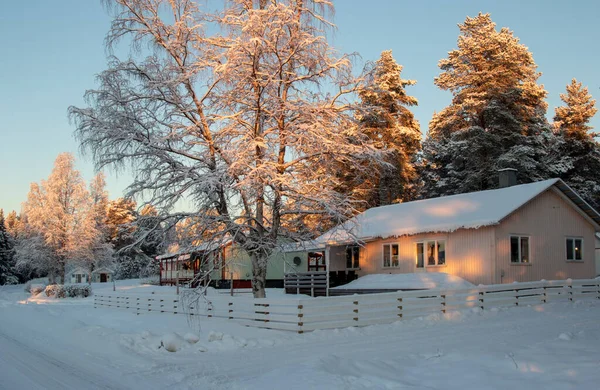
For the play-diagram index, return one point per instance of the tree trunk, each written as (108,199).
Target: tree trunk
(259,274)
(62,272)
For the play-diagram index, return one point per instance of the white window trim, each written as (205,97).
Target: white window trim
(391,261)
(519,236)
(582,247)
(425,263)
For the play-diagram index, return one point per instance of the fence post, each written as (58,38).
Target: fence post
(545,295)
(355,311)
(300,317)
(482,299)
(400,307)
(443,296)
(570,289)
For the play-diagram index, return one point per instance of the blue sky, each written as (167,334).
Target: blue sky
(52,50)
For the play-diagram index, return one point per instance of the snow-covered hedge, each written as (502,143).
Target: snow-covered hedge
(154,281)
(68,290)
(55,291)
(78,290)
(35,289)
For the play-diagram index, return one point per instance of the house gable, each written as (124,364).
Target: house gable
(547,220)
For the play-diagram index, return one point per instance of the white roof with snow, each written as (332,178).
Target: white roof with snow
(444,214)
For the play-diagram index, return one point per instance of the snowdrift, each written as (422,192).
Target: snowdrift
(407,281)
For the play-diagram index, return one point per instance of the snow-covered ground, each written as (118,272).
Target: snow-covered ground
(424,280)
(64,344)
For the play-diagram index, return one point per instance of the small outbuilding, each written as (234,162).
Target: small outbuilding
(102,275)
(78,275)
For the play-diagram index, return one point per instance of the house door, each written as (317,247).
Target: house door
(102,278)
(78,278)
(316,261)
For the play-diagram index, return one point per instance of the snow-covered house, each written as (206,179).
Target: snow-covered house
(541,230)
(221,263)
(77,275)
(102,275)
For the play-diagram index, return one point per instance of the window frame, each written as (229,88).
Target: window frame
(425,243)
(574,238)
(357,263)
(520,246)
(390,244)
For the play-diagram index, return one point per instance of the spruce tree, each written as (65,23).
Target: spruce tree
(496,118)
(385,118)
(7,274)
(574,155)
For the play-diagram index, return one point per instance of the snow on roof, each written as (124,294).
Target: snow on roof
(423,280)
(444,214)
(204,247)
(102,270)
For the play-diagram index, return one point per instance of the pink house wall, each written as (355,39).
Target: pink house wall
(548,219)
(482,256)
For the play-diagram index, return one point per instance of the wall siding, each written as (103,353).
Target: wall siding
(469,254)
(547,220)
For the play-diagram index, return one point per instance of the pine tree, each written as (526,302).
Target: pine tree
(574,155)
(572,119)
(7,274)
(496,118)
(386,119)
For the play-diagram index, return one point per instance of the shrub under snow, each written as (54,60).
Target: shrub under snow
(55,291)
(35,289)
(78,290)
(172,342)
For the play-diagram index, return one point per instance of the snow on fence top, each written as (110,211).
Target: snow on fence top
(308,314)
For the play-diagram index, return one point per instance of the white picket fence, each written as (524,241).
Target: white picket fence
(308,314)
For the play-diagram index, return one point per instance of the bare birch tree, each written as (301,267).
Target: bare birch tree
(239,123)
(57,225)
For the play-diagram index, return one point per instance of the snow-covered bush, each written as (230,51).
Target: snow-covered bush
(36,289)
(154,281)
(78,290)
(55,291)
(172,342)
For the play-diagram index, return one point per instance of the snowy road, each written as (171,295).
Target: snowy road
(67,344)
(23,367)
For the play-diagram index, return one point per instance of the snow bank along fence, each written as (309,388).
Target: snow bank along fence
(301,315)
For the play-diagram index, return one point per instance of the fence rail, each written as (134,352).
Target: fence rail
(313,283)
(308,314)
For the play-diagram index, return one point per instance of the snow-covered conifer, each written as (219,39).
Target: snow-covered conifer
(385,118)
(7,271)
(572,119)
(573,154)
(496,118)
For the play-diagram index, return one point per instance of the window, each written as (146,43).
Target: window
(391,255)
(519,249)
(420,255)
(352,256)
(433,251)
(574,249)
